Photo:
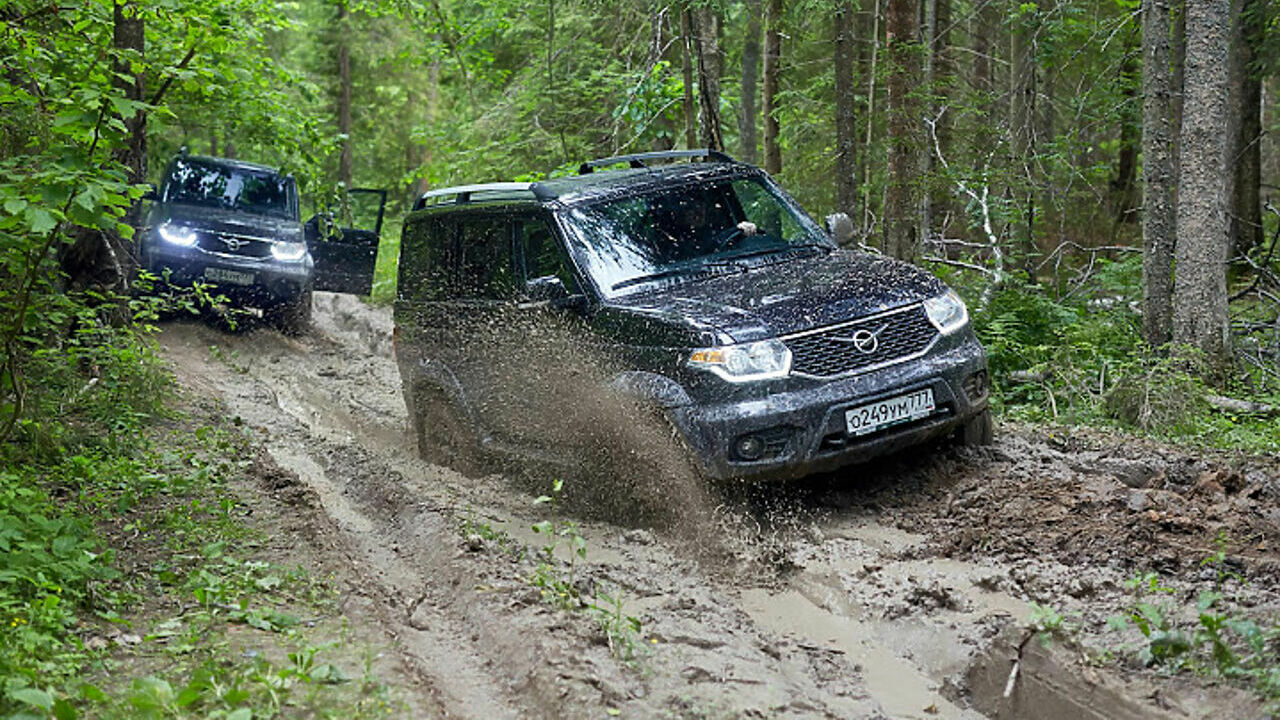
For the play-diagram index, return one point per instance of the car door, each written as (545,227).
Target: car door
(343,242)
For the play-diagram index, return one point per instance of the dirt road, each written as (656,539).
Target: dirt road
(902,589)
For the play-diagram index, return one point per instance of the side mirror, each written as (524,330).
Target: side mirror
(152,193)
(840,228)
(546,288)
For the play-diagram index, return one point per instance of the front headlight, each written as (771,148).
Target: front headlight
(947,312)
(177,235)
(288,251)
(761,360)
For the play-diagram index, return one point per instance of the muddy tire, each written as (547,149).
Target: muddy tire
(443,437)
(293,317)
(977,430)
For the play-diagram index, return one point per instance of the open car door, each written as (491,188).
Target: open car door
(343,242)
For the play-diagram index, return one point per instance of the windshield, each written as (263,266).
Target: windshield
(253,191)
(687,232)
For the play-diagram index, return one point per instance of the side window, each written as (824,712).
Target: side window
(542,255)
(428,270)
(761,208)
(485,270)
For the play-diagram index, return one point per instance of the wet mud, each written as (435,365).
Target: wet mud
(898,589)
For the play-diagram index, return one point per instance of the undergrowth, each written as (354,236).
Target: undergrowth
(127,576)
(1075,355)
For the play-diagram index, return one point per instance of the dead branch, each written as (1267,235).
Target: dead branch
(1241,407)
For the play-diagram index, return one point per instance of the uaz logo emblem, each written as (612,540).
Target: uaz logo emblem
(864,340)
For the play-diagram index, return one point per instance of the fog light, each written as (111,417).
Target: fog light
(975,386)
(749,447)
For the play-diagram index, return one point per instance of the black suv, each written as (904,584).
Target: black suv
(237,226)
(712,296)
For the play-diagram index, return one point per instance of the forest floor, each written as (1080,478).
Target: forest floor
(948,583)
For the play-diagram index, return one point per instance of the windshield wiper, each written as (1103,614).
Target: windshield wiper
(733,259)
(706,269)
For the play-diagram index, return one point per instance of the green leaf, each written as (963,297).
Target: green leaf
(35,697)
(543,527)
(13,206)
(63,710)
(39,221)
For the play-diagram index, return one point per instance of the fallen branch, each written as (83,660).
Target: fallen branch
(1241,407)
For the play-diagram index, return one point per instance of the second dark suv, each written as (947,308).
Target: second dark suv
(705,290)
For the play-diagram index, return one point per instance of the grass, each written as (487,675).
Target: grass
(132,583)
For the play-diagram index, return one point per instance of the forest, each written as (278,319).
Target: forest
(1097,178)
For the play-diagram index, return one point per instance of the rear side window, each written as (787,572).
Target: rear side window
(428,269)
(485,270)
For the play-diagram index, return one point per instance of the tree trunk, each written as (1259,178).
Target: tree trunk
(1200,285)
(1122,186)
(901,238)
(706,39)
(846,107)
(344,97)
(772,57)
(686,69)
(1158,174)
(929,17)
(871,22)
(747,137)
(944,70)
(1022,117)
(1246,220)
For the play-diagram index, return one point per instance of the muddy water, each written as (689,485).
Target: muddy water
(856,596)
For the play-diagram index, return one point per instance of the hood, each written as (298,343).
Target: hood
(786,298)
(229,222)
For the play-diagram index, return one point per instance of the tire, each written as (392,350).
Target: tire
(443,438)
(977,430)
(294,317)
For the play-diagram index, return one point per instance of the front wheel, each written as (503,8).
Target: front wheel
(443,439)
(293,317)
(977,430)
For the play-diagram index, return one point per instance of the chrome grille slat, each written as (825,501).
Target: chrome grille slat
(245,246)
(903,334)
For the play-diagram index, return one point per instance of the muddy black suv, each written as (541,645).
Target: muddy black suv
(237,226)
(705,290)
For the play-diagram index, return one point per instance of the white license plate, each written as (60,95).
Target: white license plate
(866,419)
(234,277)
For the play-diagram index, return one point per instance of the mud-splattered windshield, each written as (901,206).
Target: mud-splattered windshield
(688,232)
(259,192)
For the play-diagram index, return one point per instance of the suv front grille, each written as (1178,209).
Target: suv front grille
(831,351)
(238,245)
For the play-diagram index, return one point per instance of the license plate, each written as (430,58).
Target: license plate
(234,277)
(866,419)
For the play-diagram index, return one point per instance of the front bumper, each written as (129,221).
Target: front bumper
(805,430)
(273,282)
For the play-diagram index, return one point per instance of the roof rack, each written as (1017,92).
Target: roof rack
(463,193)
(638,160)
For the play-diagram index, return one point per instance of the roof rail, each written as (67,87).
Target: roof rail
(463,193)
(638,160)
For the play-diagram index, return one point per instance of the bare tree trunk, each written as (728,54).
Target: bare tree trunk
(901,238)
(1122,187)
(869,72)
(772,57)
(846,108)
(706,42)
(344,97)
(747,136)
(944,70)
(1022,131)
(1246,220)
(1159,220)
(1200,285)
(929,16)
(686,69)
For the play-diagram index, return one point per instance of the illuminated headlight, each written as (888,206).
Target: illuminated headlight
(947,312)
(288,251)
(177,235)
(749,361)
